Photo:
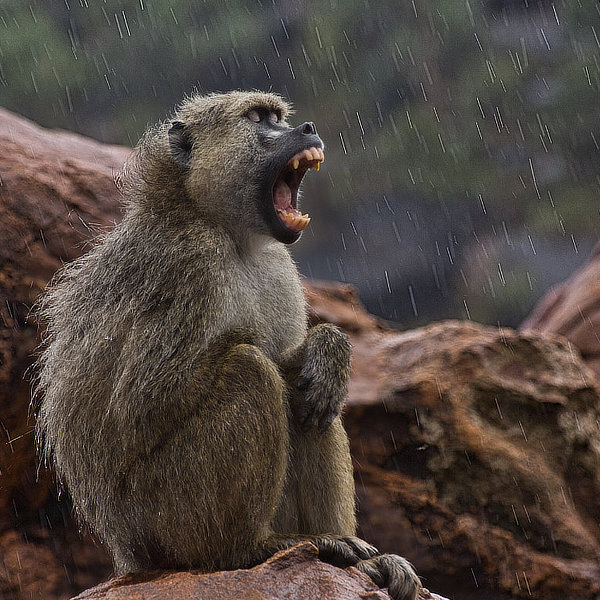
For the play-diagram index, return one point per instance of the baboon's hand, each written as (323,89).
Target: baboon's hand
(323,377)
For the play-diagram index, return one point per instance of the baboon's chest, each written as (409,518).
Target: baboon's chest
(268,297)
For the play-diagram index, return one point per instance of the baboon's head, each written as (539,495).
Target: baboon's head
(242,164)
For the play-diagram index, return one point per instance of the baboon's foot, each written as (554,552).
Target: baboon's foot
(337,550)
(393,572)
(343,551)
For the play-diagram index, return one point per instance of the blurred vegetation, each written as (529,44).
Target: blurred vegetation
(485,110)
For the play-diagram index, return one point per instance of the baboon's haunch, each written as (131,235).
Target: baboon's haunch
(191,413)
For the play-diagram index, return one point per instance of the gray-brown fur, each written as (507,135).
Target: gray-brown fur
(184,403)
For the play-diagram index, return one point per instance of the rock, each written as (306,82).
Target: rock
(477,450)
(27,570)
(477,453)
(339,304)
(56,192)
(293,573)
(55,189)
(572,309)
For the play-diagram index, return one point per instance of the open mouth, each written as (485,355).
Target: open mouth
(285,188)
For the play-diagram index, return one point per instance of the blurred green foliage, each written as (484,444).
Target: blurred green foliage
(491,104)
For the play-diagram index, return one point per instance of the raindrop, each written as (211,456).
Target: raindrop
(523,431)
(545,38)
(319,37)
(574,244)
(126,23)
(275,46)
(515,514)
(118,26)
(467,309)
(526,583)
(498,407)
(285,31)
(412,300)
(343,143)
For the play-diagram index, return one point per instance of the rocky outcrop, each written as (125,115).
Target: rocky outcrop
(56,192)
(481,448)
(293,573)
(572,309)
(477,450)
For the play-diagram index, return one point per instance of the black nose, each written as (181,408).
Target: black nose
(309,128)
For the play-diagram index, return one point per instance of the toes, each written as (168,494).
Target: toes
(312,409)
(328,416)
(309,418)
(370,568)
(320,417)
(361,548)
(325,421)
(336,551)
(403,583)
(395,573)
(302,413)
(307,424)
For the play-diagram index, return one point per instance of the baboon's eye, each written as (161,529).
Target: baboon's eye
(254,116)
(263,115)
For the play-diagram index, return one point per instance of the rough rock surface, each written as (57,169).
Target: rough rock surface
(54,188)
(56,191)
(293,573)
(477,450)
(572,309)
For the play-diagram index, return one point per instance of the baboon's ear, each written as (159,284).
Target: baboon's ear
(180,143)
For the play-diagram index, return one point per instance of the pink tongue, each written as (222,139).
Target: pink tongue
(282,195)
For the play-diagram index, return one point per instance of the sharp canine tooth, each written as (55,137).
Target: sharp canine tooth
(295,163)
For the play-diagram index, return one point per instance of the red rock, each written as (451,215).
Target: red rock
(293,573)
(339,304)
(476,449)
(56,191)
(572,309)
(479,449)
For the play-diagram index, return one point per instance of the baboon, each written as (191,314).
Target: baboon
(183,401)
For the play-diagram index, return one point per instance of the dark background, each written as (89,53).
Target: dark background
(462,137)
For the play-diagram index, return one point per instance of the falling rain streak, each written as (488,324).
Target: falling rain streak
(461,181)
(493,143)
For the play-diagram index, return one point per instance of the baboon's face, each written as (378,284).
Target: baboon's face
(245,163)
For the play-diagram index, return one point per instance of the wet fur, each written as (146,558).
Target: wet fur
(184,403)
